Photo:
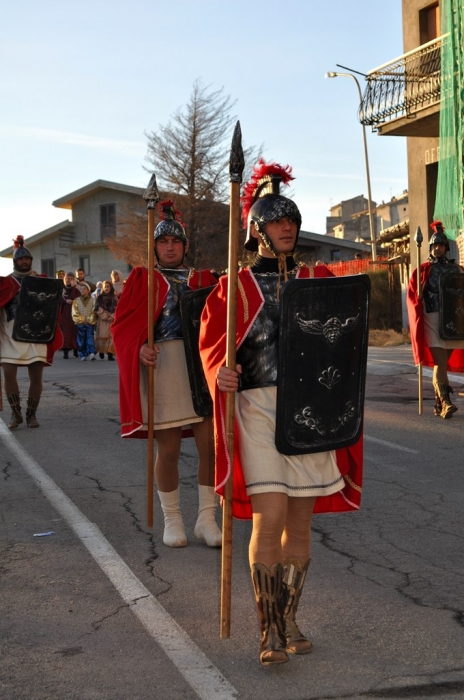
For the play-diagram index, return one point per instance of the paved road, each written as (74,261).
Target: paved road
(100,609)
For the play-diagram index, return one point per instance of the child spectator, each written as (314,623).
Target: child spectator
(105,307)
(83,314)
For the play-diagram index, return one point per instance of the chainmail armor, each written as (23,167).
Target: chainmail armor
(258,353)
(169,323)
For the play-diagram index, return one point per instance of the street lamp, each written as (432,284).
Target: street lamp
(371,217)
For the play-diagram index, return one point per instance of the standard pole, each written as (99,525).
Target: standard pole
(236,165)
(418,239)
(151,196)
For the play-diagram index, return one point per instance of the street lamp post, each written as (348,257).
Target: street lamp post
(366,160)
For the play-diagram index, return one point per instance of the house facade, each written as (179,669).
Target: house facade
(402,99)
(349,220)
(79,241)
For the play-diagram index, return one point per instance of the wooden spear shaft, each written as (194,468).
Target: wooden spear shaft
(151,338)
(151,196)
(236,165)
(419,238)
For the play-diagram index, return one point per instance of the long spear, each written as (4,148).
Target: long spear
(151,196)
(236,165)
(418,239)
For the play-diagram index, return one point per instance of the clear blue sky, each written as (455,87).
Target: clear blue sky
(82,82)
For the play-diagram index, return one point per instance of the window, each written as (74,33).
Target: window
(107,220)
(48,267)
(429,23)
(335,255)
(84,263)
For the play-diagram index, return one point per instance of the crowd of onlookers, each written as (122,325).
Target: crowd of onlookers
(87,312)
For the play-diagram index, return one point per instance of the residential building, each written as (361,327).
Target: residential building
(96,211)
(349,220)
(402,98)
(100,209)
(313,247)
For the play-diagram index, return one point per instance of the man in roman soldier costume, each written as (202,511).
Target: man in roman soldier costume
(45,337)
(424,320)
(174,415)
(279,492)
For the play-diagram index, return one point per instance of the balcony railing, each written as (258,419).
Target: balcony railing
(403,86)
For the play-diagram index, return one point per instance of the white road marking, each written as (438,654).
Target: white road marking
(393,445)
(199,672)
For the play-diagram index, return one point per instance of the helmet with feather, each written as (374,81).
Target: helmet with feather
(438,236)
(171,223)
(20,250)
(262,202)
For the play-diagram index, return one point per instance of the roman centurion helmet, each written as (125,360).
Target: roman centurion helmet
(171,223)
(438,235)
(20,250)
(262,202)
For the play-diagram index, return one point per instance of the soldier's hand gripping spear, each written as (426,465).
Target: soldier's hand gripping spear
(151,196)
(418,239)
(236,165)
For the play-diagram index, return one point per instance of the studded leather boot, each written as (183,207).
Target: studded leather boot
(31,420)
(437,405)
(447,407)
(267,584)
(293,581)
(16,415)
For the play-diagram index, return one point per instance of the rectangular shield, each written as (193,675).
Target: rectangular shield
(191,308)
(451,316)
(37,313)
(323,341)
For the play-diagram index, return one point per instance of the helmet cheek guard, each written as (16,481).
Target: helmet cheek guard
(262,202)
(270,208)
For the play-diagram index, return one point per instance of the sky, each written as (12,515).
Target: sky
(81,83)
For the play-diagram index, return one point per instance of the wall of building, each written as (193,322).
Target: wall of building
(101,261)
(86,212)
(422,195)
(86,219)
(411,28)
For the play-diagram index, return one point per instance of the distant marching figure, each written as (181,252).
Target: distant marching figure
(32,352)
(424,315)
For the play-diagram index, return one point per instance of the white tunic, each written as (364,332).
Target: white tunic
(15,352)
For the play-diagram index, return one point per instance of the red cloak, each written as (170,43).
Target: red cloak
(130,332)
(416,325)
(213,353)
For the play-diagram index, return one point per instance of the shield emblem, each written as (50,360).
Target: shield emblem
(37,313)
(323,345)
(451,317)
(191,308)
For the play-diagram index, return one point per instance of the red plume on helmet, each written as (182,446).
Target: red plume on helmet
(167,211)
(437,226)
(19,242)
(171,223)
(261,175)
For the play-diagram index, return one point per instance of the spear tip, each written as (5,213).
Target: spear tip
(237,159)
(151,194)
(418,237)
